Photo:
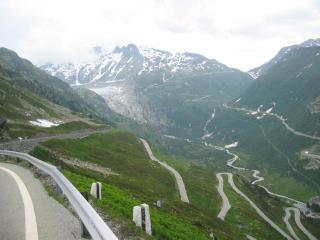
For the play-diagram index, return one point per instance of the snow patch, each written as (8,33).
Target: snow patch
(45,123)
(170,136)
(208,135)
(299,74)
(269,110)
(232,145)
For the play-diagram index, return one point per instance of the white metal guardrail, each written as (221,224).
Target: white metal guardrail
(97,228)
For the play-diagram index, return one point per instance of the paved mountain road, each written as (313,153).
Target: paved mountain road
(225,201)
(298,223)
(179,180)
(282,120)
(28,144)
(254,206)
(27,212)
(286,219)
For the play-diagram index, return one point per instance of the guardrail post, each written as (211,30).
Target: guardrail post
(57,187)
(85,232)
(141,217)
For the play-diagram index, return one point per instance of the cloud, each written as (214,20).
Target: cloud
(241,34)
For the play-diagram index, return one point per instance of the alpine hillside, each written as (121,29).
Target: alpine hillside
(156,87)
(289,86)
(281,56)
(33,102)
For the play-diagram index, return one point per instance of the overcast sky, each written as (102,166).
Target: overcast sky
(241,34)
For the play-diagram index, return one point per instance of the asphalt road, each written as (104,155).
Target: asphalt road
(225,201)
(179,180)
(28,213)
(289,227)
(282,120)
(298,223)
(254,206)
(28,144)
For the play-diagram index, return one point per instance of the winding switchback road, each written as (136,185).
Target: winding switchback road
(179,180)
(254,206)
(225,201)
(289,227)
(298,222)
(26,145)
(28,213)
(283,121)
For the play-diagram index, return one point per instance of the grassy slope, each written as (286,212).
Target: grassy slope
(257,152)
(16,130)
(118,203)
(293,84)
(124,154)
(20,106)
(141,179)
(28,93)
(242,219)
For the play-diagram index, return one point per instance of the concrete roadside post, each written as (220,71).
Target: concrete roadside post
(141,217)
(95,190)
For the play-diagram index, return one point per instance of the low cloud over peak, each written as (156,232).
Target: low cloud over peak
(242,34)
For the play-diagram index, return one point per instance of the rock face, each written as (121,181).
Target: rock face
(314,204)
(154,86)
(3,122)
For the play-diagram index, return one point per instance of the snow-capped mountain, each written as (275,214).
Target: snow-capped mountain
(132,61)
(282,56)
(154,86)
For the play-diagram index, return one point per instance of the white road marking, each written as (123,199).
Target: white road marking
(31,229)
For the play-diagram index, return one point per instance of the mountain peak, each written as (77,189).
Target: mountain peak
(131,61)
(282,55)
(130,49)
(311,43)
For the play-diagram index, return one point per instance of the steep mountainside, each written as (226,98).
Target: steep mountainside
(20,75)
(157,87)
(292,86)
(281,56)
